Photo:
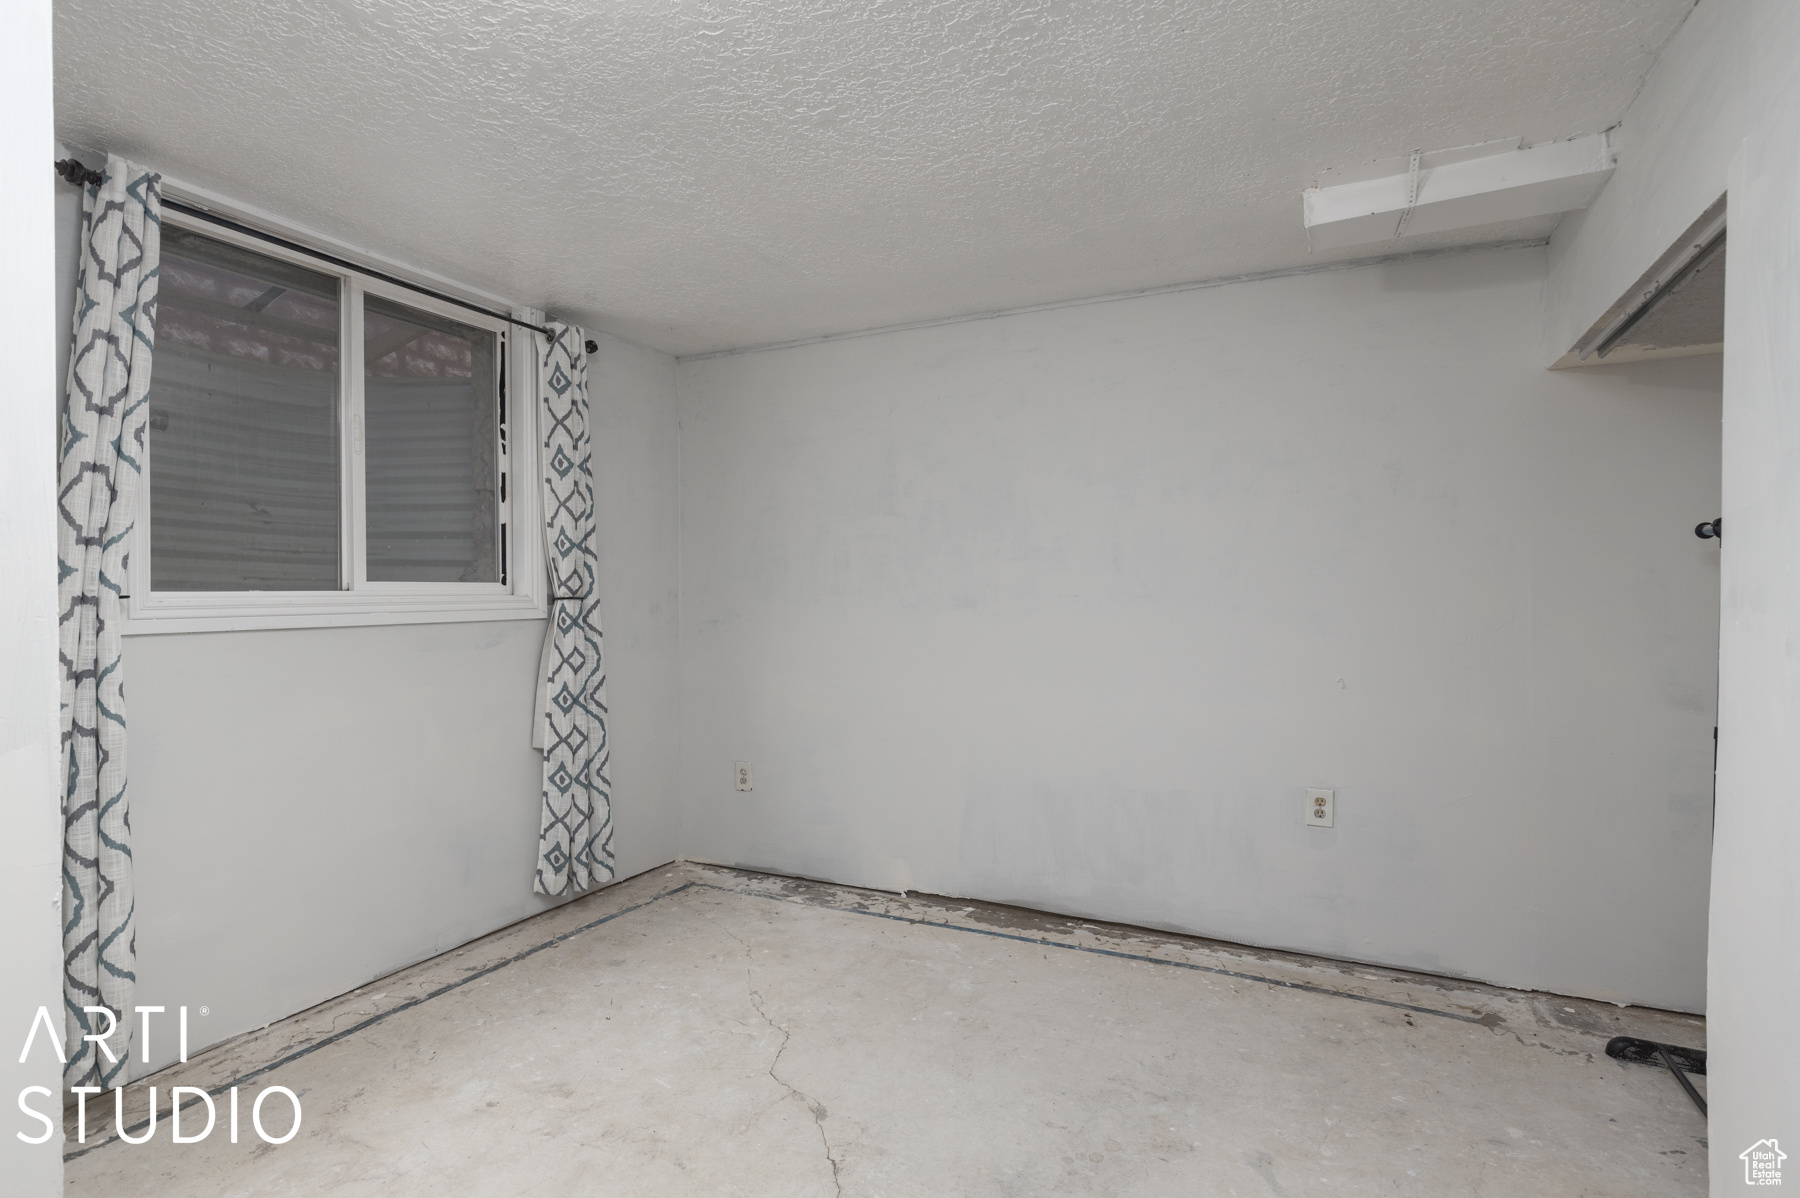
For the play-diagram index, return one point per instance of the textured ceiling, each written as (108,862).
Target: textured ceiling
(720,173)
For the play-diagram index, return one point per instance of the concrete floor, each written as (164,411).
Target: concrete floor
(705,1031)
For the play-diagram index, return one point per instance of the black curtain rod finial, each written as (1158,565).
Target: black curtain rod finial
(74,172)
(592,346)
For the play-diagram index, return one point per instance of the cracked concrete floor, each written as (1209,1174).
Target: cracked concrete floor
(706,1031)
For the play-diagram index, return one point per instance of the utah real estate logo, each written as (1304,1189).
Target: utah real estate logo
(1762,1163)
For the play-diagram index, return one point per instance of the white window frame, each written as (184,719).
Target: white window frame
(362,602)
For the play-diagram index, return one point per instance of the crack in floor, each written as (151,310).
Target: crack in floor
(816,1109)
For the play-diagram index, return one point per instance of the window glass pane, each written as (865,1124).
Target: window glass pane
(244,492)
(430,394)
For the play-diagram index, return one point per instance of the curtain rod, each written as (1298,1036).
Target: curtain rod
(76,173)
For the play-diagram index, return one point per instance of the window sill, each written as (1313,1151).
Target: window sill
(325,609)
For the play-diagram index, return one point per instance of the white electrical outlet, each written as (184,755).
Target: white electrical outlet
(1318,808)
(741,769)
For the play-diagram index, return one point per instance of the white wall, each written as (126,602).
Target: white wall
(1731,73)
(1676,143)
(1754,1062)
(1066,608)
(30,823)
(315,808)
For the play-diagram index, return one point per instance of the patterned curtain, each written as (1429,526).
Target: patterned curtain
(102,446)
(575,836)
